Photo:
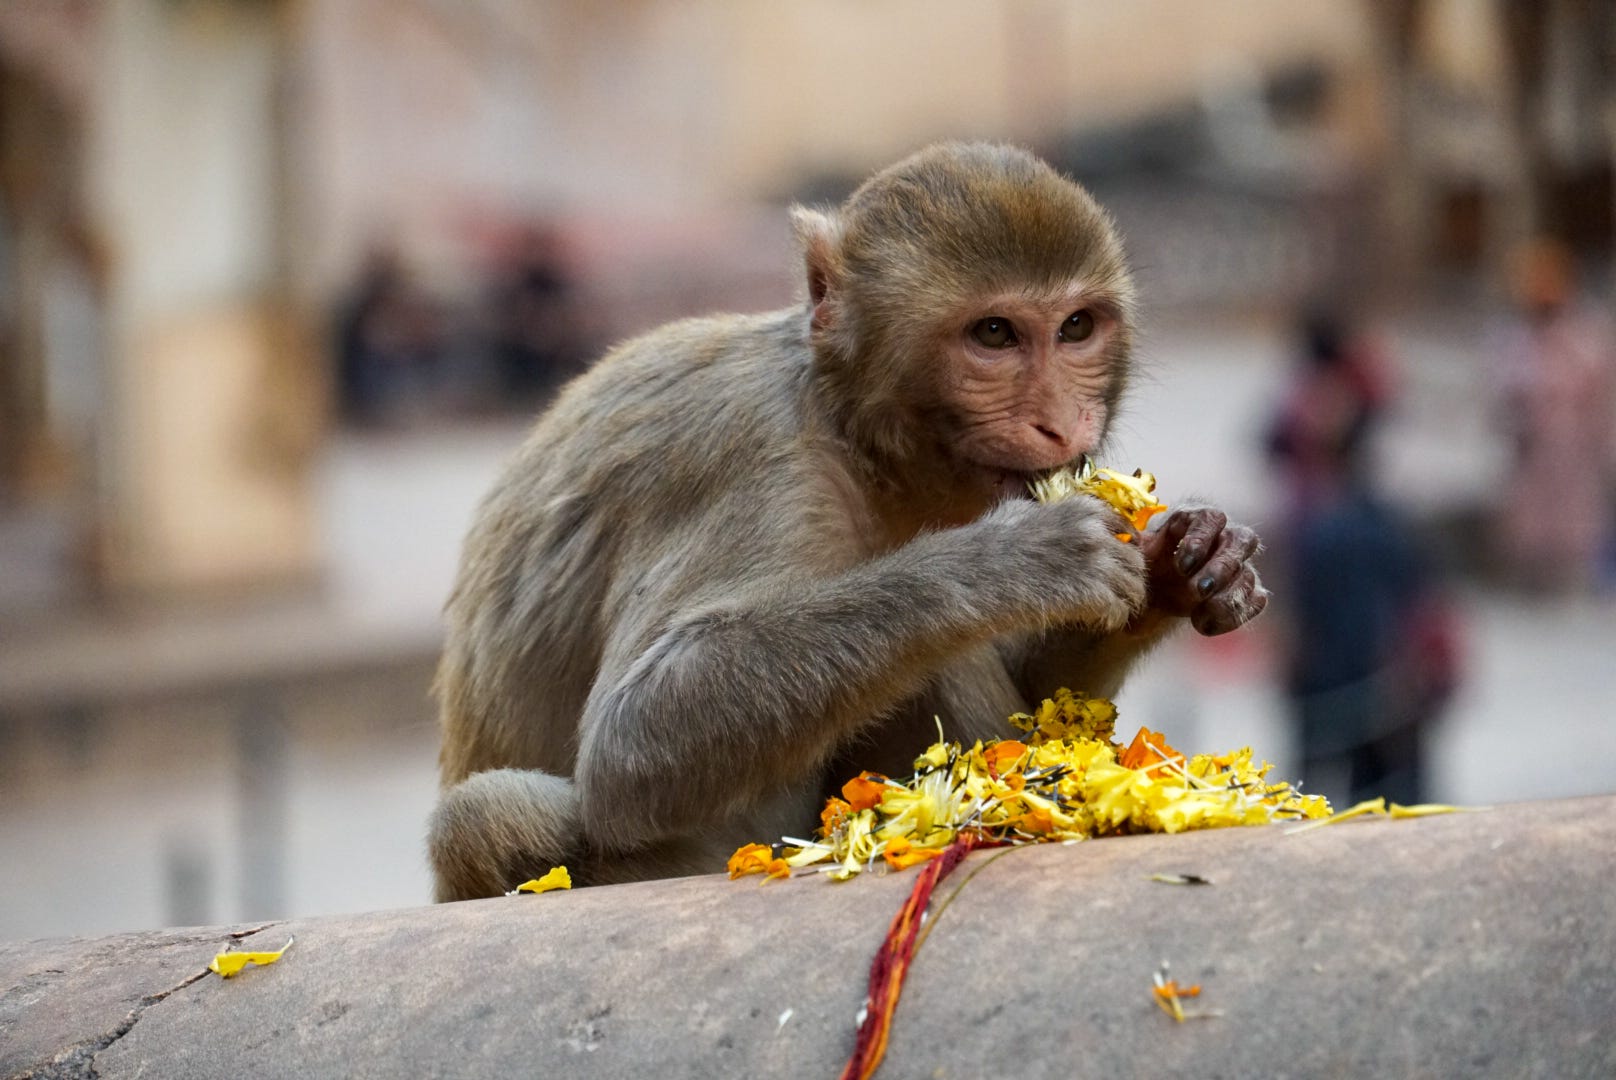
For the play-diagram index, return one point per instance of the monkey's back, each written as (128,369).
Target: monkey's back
(663,447)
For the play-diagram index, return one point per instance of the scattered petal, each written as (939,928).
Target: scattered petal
(229,964)
(1169,995)
(1377,806)
(900,854)
(1170,988)
(556,878)
(1397,810)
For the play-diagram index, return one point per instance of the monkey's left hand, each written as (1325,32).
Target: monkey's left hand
(1199,566)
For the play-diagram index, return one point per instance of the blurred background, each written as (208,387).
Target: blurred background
(283,281)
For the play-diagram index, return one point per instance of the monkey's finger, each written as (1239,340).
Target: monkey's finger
(1201,531)
(1234,546)
(1233,607)
(1155,543)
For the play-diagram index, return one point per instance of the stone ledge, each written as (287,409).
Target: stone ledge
(1475,945)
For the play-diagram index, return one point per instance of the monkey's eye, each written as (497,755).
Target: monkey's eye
(1079,327)
(994,332)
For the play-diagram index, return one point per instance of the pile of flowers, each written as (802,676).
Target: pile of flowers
(1066,779)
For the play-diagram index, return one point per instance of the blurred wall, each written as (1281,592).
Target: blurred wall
(421,109)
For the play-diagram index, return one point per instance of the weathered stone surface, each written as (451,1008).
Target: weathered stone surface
(1470,945)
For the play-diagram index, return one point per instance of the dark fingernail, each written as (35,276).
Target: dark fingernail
(1186,558)
(1206,584)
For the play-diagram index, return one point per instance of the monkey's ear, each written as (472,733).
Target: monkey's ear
(820,234)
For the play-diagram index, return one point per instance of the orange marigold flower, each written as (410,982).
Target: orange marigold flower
(757,859)
(831,818)
(1036,820)
(750,859)
(1141,755)
(1002,755)
(864,791)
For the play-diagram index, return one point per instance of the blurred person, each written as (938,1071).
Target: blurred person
(1556,399)
(1321,432)
(1373,652)
(389,343)
(537,342)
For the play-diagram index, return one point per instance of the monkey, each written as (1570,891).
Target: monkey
(743,557)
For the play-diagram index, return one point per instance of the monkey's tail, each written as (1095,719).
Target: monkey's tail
(495,830)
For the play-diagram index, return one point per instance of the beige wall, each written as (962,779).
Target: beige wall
(880,78)
(424,112)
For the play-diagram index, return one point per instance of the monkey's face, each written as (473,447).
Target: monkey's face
(969,309)
(1026,383)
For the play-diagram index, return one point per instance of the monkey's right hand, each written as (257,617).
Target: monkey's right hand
(1069,552)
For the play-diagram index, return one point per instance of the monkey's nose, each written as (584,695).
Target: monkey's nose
(1064,442)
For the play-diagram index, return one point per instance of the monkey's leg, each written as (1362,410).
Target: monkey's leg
(970,697)
(1079,659)
(495,830)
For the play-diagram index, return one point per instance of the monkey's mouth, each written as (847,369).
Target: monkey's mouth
(1019,483)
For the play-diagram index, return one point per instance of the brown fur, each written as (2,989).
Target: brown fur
(742,554)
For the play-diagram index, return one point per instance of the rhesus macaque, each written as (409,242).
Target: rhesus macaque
(744,557)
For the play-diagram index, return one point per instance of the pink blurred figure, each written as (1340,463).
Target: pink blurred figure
(1557,394)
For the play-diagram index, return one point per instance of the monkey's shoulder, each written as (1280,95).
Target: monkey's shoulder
(684,460)
(682,407)
(728,365)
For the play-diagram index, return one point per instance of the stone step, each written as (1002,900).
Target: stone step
(1478,944)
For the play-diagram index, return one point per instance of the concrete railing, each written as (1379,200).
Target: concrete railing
(1469,945)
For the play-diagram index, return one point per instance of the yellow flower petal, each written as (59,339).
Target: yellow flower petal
(556,878)
(1376,805)
(228,964)
(1398,810)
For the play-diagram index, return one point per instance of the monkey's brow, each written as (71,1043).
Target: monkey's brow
(1075,296)
(1104,301)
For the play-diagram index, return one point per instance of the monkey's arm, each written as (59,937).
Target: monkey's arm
(730,699)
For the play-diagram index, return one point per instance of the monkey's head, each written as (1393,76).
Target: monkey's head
(971,317)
